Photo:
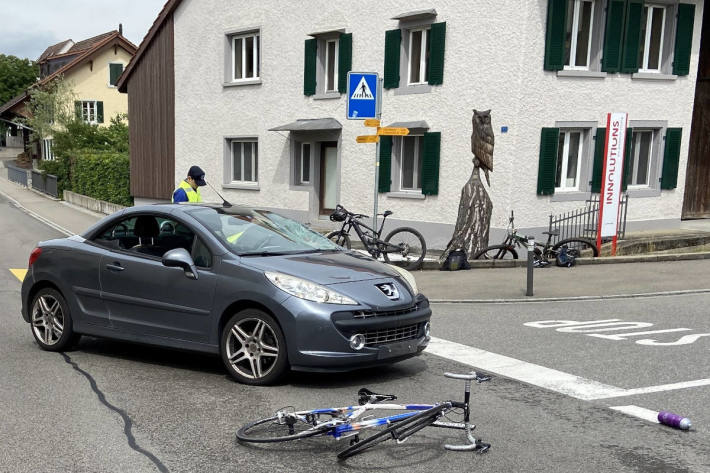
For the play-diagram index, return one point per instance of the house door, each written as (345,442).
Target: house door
(328,178)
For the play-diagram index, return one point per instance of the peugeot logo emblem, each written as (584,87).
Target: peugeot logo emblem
(389,290)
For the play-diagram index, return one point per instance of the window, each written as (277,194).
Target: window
(245,161)
(418,66)
(114,72)
(651,44)
(331,66)
(302,160)
(569,156)
(640,158)
(246,52)
(408,158)
(47,152)
(88,111)
(578,38)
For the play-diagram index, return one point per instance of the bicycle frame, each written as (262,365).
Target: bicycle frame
(374,247)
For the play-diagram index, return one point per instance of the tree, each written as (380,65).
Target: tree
(51,108)
(15,76)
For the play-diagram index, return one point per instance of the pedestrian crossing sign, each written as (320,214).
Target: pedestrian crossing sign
(363,96)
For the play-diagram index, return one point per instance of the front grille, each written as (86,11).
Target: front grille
(389,335)
(366,314)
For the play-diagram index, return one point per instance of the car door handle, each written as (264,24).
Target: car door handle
(116,266)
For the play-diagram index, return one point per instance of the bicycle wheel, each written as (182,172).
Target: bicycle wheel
(401,430)
(497,252)
(406,246)
(340,238)
(577,247)
(270,430)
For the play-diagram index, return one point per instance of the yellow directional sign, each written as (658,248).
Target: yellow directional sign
(367,139)
(392,131)
(372,122)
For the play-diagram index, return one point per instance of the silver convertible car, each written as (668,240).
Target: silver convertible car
(261,290)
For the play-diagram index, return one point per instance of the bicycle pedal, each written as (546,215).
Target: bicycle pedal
(482,447)
(354,440)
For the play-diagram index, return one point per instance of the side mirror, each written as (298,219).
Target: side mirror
(180,258)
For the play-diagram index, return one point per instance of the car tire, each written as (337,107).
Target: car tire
(253,348)
(50,321)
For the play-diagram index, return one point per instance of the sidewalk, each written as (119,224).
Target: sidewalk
(478,284)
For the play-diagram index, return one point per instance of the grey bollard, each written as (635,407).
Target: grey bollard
(531,258)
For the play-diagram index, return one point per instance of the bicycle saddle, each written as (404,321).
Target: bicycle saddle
(366,396)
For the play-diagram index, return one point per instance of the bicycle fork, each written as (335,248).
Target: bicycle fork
(474,443)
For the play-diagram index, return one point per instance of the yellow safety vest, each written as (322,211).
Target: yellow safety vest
(193,195)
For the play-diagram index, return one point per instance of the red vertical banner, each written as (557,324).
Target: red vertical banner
(612,178)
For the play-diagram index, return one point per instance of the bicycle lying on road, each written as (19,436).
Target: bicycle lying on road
(403,245)
(544,253)
(342,422)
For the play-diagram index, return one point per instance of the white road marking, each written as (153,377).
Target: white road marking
(636,411)
(666,387)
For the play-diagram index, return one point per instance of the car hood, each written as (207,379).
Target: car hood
(324,268)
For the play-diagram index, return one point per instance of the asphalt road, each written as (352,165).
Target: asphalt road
(115,407)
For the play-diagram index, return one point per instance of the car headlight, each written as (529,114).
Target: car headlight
(409,277)
(307,290)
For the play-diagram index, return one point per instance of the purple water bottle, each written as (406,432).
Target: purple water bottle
(674,420)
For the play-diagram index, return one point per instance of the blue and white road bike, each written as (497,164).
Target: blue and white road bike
(349,422)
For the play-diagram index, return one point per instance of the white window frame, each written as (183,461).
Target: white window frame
(47,149)
(575,33)
(334,86)
(565,160)
(109,73)
(85,113)
(635,134)
(303,158)
(256,45)
(418,143)
(254,160)
(643,67)
(422,55)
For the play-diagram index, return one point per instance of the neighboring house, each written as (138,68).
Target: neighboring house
(256,95)
(92,67)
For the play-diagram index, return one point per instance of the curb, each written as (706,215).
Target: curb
(571,298)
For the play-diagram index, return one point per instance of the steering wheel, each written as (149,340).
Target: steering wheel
(121,225)
(167,227)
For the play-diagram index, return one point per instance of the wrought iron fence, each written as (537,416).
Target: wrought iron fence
(16,174)
(46,183)
(584,222)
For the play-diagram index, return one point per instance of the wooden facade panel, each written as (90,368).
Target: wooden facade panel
(151,114)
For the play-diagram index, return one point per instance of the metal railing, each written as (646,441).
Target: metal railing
(584,222)
(16,174)
(46,183)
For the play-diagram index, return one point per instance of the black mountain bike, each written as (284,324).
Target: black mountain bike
(544,253)
(403,246)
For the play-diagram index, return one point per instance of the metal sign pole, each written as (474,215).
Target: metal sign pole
(377,154)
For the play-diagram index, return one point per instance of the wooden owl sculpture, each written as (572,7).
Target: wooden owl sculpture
(482,141)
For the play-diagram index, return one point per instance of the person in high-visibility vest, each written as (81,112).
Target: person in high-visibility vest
(187,190)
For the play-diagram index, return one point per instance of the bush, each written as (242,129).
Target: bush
(103,175)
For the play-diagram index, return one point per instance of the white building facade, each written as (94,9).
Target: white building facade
(260,103)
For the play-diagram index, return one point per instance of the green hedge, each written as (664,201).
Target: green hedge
(61,168)
(103,175)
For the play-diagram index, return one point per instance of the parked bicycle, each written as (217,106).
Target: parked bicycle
(403,245)
(342,422)
(544,253)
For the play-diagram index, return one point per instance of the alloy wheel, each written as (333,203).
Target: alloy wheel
(252,348)
(48,319)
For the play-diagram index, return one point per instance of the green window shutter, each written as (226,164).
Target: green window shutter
(345,60)
(430,163)
(683,39)
(598,169)
(555,35)
(632,36)
(437,41)
(626,171)
(385,164)
(77,109)
(393,39)
(671,157)
(309,67)
(613,35)
(100,112)
(115,71)
(547,167)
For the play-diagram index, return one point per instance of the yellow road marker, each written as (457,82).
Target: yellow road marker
(19,273)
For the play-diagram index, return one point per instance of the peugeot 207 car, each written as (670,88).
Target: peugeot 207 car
(261,290)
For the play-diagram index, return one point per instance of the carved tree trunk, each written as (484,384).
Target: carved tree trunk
(474,219)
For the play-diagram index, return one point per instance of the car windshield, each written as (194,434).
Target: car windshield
(261,233)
